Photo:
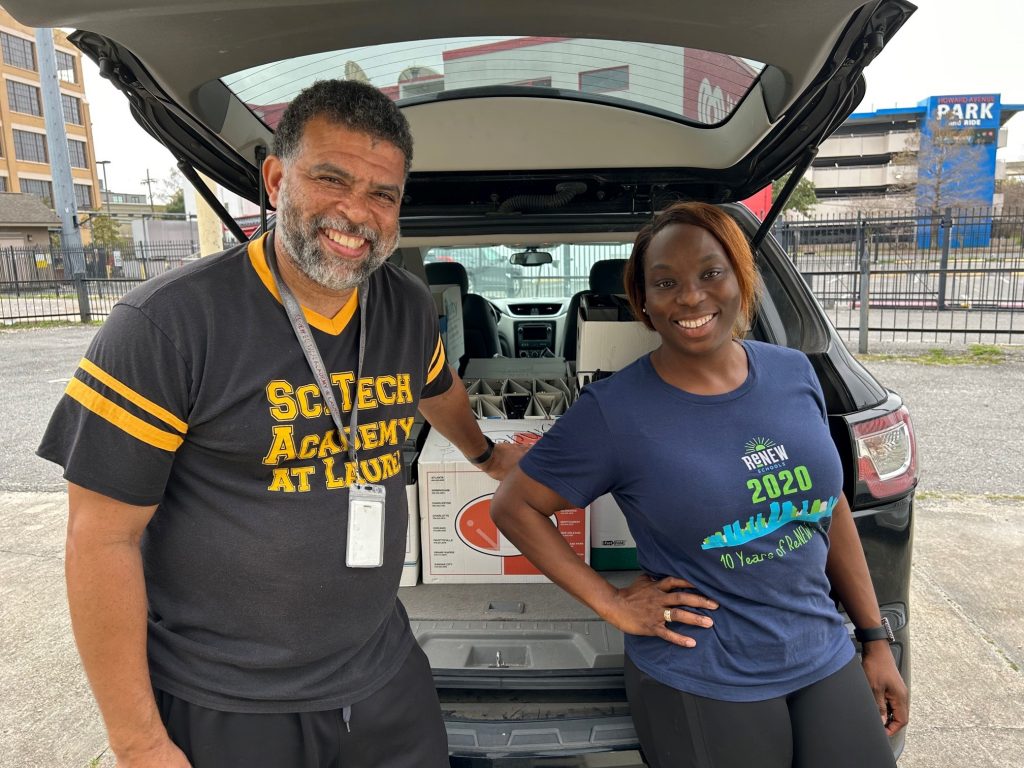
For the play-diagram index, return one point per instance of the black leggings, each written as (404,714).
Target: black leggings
(833,723)
(399,726)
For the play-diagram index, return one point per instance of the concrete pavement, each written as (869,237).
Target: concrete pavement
(968,641)
(966,602)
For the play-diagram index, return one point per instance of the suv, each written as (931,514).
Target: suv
(530,141)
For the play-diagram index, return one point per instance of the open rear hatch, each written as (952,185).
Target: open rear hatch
(721,103)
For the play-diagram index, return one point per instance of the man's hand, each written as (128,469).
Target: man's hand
(503,460)
(646,606)
(887,685)
(163,754)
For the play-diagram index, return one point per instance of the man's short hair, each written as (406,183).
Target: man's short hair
(358,106)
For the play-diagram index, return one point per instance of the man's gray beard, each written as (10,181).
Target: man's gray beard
(300,239)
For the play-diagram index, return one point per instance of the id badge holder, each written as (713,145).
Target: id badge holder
(365,547)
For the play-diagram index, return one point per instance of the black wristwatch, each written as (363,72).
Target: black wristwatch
(883,632)
(484,457)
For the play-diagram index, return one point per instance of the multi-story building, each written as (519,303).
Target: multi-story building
(889,158)
(24,154)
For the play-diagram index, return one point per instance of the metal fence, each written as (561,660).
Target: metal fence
(82,299)
(916,276)
(79,284)
(127,258)
(950,276)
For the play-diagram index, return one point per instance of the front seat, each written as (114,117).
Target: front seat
(479,326)
(606,277)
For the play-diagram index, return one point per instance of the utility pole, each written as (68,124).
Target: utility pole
(148,181)
(106,187)
(57,143)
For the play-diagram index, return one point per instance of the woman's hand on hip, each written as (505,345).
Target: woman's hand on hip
(648,606)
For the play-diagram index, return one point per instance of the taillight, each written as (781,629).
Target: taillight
(886,454)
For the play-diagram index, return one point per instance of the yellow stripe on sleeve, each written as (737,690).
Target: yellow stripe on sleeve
(437,362)
(132,396)
(438,350)
(120,418)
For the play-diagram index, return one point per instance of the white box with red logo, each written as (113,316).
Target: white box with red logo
(460,544)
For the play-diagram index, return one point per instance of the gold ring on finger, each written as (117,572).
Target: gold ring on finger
(668,615)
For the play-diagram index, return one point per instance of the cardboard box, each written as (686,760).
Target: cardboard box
(448,299)
(609,345)
(411,568)
(518,398)
(612,547)
(460,544)
(517,368)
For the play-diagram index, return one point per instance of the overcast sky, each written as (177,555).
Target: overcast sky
(947,47)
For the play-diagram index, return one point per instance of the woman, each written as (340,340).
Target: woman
(719,454)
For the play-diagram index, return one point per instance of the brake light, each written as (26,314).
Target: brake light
(886,454)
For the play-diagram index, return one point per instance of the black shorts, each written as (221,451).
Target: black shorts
(399,726)
(833,723)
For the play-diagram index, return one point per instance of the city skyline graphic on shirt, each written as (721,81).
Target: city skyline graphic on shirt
(779,516)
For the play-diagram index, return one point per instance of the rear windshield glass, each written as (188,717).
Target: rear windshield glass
(696,86)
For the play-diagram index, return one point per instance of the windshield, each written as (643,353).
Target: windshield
(492,275)
(688,84)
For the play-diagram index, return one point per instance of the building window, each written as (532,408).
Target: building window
(43,189)
(24,98)
(66,67)
(3,183)
(539,82)
(604,80)
(30,147)
(18,52)
(77,154)
(72,109)
(83,197)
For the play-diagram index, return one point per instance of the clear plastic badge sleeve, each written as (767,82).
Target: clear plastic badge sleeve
(365,543)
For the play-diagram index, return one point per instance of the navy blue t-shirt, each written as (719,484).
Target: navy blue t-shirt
(732,492)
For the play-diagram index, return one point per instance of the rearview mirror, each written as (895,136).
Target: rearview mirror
(531,257)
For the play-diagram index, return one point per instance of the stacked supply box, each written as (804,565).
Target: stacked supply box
(460,543)
(611,545)
(518,388)
(411,567)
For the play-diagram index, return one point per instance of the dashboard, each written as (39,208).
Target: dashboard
(533,327)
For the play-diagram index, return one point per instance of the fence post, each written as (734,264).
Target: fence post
(14,271)
(865,278)
(945,230)
(82,290)
(142,257)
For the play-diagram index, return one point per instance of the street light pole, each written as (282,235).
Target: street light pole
(106,187)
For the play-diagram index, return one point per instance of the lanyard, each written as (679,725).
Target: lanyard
(316,362)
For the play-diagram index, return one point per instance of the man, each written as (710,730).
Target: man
(209,482)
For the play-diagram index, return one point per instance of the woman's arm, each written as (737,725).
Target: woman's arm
(847,570)
(521,509)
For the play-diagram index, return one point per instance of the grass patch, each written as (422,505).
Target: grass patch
(954,496)
(976,354)
(33,324)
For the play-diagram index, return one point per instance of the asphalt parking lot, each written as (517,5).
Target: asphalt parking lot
(968,608)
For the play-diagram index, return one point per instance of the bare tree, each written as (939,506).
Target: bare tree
(170,186)
(946,159)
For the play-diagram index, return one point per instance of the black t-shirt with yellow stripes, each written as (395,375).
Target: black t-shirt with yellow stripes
(195,395)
